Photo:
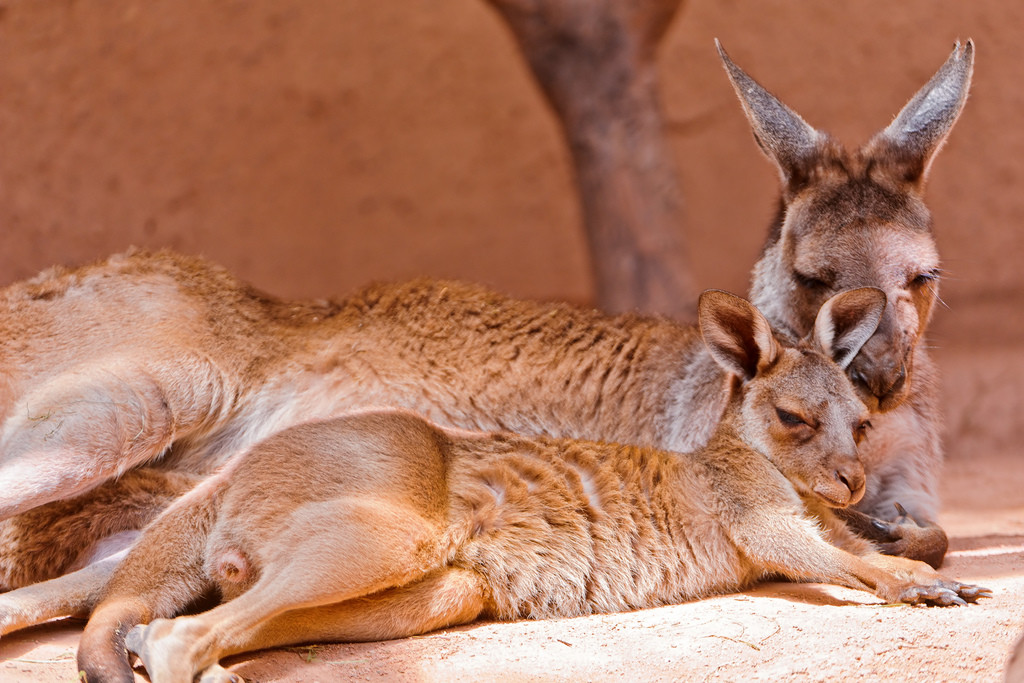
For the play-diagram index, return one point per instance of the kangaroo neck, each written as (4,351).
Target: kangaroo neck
(766,292)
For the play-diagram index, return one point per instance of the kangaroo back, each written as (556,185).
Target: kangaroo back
(467,357)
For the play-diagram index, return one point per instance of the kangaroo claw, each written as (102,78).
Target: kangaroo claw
(884,527)
(944,594)
(972,593)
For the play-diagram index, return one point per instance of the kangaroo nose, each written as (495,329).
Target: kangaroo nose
(852,477)
(845,485)
(884,384)
(889,397)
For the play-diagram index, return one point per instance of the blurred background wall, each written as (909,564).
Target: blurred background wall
(314,145)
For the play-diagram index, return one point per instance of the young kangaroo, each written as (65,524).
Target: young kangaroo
(382,525)
(857,218)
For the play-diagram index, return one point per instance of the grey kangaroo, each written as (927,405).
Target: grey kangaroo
(381,525)
(857,218)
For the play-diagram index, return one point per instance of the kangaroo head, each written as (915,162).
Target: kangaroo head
(856,218)
(795,405)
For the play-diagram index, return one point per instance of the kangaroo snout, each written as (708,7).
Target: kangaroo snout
(852,477)
(844,487)
(882,379)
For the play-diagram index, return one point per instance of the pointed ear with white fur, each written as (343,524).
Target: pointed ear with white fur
(737,335)
(911,141)
(846,321)
(785,138)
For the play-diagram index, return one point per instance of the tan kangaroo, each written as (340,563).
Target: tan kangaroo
(382,525)
(857,218)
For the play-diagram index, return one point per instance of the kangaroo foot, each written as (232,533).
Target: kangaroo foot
(24,607)
(943,594)
(11,618)
(163,648)
(903,536)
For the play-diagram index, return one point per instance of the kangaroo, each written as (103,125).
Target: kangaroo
(168,361)
(857,218)
(382,525)
(79,541)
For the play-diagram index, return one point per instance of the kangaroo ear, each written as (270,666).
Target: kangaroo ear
(783,136)
(846,321)
(737,335)
(911,141)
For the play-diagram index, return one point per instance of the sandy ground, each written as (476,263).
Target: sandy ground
(775,632)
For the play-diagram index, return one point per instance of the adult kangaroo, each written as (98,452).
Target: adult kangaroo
(857,218)
(380,525)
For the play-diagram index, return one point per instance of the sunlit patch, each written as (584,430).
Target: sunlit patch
(988,552)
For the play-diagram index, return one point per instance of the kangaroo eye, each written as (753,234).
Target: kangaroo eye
(861,430)
(790,419)
(922,279)
(810,281)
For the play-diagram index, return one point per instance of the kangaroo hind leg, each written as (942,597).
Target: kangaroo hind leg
(328,552)
(447,597)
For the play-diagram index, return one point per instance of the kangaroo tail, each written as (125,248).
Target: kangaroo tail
(161,575)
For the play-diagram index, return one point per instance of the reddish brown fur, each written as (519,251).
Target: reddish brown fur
(45,542)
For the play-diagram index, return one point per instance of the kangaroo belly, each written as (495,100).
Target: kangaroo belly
(586,533)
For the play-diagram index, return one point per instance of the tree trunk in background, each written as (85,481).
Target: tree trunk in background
(595,60)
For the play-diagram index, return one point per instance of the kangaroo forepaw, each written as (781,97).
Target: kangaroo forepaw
(931,595)
(902,536)
(910,539)
(943,594)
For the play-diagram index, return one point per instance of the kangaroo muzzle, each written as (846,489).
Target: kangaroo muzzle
(881,372)
(844,486)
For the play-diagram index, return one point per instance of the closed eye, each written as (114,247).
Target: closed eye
(788,418)
(812,282)
(861,430)
(926,278)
